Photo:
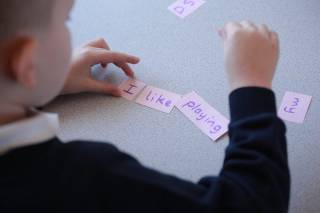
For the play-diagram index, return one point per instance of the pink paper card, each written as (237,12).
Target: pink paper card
(131,88)
(158,99)
(183,8)
(206,118)
(294,107)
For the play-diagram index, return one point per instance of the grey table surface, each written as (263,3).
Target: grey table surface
(186,55)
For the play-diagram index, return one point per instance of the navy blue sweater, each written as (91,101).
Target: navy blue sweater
(96,177)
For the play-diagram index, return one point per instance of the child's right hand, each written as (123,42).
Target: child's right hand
(96,52)
(251,54)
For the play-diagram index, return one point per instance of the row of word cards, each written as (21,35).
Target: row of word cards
(195,108)
(294,106)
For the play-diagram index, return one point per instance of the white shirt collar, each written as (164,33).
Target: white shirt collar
(34,130)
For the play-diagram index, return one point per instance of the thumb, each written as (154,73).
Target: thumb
(103,87)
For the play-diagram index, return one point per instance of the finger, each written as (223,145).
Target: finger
(102,56)
(274,35)
(102,87)
(265,30)
(117,57)
(126,69)
(98,43)
(275,38)
(249,25)
(231,27)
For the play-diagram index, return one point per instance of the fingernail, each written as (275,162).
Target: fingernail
(137,59)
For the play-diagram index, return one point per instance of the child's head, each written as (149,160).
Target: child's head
(34,50)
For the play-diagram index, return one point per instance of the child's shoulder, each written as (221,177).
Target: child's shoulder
(93,154)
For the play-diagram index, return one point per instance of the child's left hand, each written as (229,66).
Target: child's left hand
(96,52)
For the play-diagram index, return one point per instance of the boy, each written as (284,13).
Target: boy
(38,173)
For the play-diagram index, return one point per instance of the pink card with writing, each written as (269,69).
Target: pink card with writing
(131,88)
(294,107)
(206,118)
(158,99)
(183,8)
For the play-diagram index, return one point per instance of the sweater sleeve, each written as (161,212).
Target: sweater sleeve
(256,158)
(254,177)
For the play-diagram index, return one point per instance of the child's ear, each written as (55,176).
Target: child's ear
(21,61)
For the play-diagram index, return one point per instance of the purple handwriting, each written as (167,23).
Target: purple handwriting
(293,107)
(202,116)
(181,9)
(158,99)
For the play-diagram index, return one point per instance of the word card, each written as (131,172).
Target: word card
(158,99)
(131,88)
(206,118)
(294,107)
(183,8)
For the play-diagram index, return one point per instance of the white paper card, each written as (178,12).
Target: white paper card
(206,118)
(131,88)
(158,99)
(183,8)
(294,107)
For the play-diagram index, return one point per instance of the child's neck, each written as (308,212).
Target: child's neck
(11,113)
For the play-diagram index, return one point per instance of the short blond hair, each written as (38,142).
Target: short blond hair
(17,16)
